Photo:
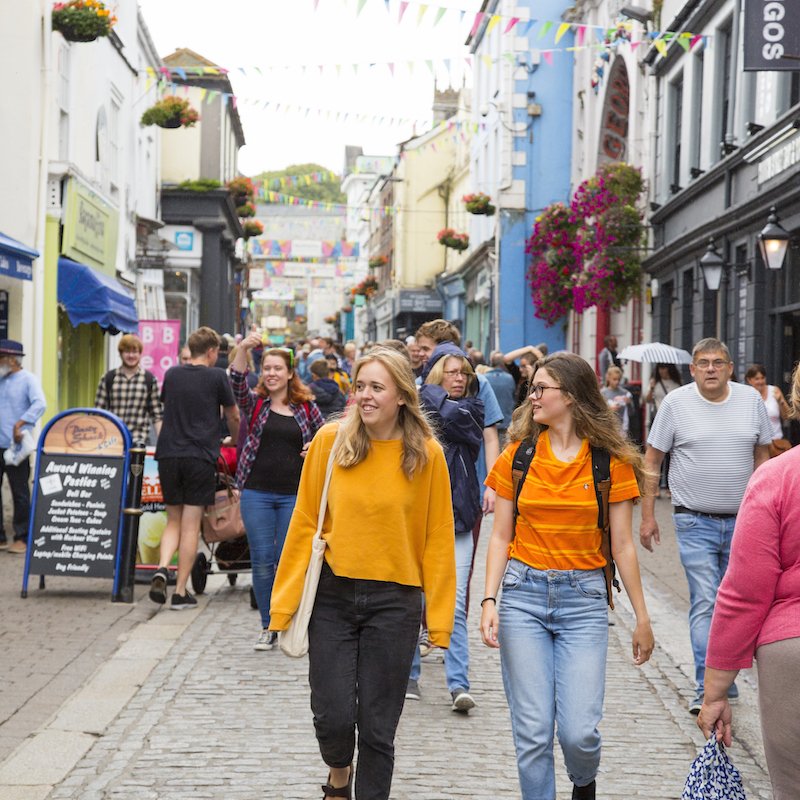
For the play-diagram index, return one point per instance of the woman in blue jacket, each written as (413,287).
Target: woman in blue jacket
(448,395)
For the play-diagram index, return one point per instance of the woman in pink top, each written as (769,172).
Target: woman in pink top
(757,613)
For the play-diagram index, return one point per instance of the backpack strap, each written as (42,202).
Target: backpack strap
(601,473)
(259,403)
(108,378)
(519,469)
(149,382)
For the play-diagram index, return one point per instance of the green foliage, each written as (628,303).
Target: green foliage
(325,191)
(201,185)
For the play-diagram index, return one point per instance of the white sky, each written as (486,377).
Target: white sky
(250,34)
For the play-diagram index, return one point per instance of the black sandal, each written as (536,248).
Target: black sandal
(341,791)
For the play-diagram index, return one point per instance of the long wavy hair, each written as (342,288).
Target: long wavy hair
(593,418)
(353,441)
(299,393)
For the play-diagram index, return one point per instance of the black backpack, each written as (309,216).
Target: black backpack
(149,381)
(601,473)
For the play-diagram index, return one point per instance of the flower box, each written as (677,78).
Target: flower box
(170,112)
(242,189)
(449,238)
(246,210)
(479,203)
(82,20)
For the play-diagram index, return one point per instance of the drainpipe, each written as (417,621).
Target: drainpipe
(731,120)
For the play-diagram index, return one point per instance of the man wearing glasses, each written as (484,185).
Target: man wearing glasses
(717,433)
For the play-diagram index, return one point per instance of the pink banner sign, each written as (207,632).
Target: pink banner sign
(161,345)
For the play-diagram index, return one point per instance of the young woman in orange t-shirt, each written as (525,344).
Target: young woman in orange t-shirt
(551,624)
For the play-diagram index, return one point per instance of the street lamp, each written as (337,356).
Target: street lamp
(773,241)
(712,264)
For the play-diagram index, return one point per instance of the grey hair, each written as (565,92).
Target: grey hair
(711,345)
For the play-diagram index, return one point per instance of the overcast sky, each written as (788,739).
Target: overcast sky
(253,35)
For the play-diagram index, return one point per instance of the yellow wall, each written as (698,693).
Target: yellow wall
(49,317)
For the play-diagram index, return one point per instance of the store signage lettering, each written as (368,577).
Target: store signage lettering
(779,160)
(90,228)
(771,35)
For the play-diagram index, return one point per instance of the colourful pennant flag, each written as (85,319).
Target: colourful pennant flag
(492,23)
(545,28)
(477,23)
(403,7)
(421,13)
(511,23)
(547,55)
(360,7)
(580,35)
(562,29)
(661,46)
(439,14)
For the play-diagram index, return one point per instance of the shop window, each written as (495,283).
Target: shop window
(724,68)
(695,156)
(666,311)
(676,132)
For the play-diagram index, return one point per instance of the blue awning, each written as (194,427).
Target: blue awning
(16,259)
(90,296)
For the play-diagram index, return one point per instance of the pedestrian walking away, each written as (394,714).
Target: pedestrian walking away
(608,356)
(448,397)
(280,419)
(365,621)
(22,403)
(504,387)
(716,432)
(131,392)
(187,453)
(765,553)
(549,550)
(325,390)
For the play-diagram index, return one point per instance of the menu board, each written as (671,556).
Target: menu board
(77,513)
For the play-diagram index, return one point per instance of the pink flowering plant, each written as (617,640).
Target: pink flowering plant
(252,227)
(450,238)
(82,20)
(589,253)
(478,203)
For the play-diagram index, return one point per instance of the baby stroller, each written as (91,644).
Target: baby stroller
(223,534)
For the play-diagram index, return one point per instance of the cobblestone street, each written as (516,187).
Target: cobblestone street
(215,719)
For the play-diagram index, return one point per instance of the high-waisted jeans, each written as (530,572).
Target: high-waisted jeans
(361,639)
(553,642)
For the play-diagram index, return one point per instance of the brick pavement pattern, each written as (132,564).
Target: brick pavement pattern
(218,720)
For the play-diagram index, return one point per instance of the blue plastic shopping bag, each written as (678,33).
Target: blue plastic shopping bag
(712,775)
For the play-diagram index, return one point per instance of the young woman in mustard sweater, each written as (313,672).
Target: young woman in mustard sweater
(390,536)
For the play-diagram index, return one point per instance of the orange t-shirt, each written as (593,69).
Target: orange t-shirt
(557,522)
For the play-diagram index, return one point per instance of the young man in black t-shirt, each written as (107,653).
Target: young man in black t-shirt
(187,453)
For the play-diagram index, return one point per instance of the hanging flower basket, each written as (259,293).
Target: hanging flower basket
(449,238)
(82,20)
(368,287)
(170,112)
(246,210)
(332,319)
(347,309)
(242,189)
(252,227)
(589,253)
(479,203)
(378,261)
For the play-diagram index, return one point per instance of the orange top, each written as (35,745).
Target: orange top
(557,522)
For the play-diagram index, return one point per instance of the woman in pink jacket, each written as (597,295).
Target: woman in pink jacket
(757,613)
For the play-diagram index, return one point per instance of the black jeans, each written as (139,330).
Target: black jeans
(18,481)
(362,637)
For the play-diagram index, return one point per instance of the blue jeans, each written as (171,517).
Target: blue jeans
(456,657)
(553,642)
(266,518)
(704,544)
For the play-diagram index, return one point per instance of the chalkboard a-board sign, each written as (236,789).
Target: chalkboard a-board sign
(78,494)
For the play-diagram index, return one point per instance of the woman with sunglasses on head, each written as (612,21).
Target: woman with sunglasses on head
(448,395)
(388,527)
(551,623)
(281,419)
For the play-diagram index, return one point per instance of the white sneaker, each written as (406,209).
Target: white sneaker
(266,640)
(462,700)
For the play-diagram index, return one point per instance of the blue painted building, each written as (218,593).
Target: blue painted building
(520,157)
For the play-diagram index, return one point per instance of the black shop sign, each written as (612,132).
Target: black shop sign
(79,493)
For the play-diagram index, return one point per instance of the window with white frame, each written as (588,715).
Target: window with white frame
(113,139)
(676,131)
(697,116)
(724,68)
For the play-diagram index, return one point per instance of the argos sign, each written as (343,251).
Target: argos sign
(771,35)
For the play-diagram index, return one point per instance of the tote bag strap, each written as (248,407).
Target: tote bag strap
(323,501)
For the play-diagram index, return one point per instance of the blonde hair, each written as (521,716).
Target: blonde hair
(436,375)
(613,370)
(794,398)
(353,441)
(593,418)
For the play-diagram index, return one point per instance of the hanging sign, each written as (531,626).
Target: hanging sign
(771,33)
(79,489)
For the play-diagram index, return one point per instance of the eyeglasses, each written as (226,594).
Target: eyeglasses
(451,373)
(717,363)
(538,390)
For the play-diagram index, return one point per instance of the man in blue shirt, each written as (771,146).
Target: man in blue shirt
(21,404)
(504,388)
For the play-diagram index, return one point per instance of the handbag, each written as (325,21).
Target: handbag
(712,775)
(778,446)
(223,519)
(294,640)
(19,451)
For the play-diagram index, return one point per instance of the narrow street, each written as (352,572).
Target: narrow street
(180,706)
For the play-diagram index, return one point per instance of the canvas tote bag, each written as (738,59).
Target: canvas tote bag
(294,640)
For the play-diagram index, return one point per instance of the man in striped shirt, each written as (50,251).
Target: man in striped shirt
(717,433)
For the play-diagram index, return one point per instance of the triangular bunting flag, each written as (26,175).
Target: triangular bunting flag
(562,29)
(492,23)
(439,14)
(477,23)
(403,7)
(511,23)
(421,13)
(547,55)
(545,28)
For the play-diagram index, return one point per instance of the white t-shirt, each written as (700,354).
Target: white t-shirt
(774,413)
(711,445)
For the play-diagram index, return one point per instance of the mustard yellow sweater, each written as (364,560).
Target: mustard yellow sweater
(379,526)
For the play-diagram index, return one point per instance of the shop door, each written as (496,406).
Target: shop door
(82,363)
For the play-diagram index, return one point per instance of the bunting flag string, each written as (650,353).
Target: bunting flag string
(309,179)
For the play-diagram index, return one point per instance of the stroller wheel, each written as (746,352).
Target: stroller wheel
(232,578)
(200,573)
(253,603)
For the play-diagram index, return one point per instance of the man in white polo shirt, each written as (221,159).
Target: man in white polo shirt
(717,433)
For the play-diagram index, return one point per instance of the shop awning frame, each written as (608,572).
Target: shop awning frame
(16,259)
(91,296)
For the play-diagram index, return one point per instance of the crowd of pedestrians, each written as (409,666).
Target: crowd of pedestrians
(542,442)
